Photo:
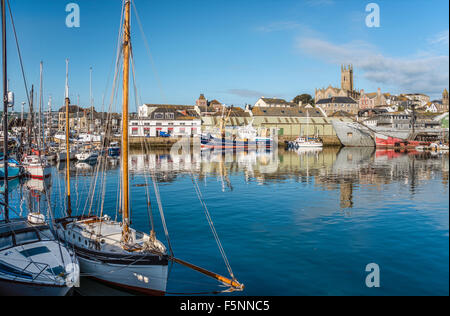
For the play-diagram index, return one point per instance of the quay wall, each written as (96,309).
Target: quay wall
(160,142)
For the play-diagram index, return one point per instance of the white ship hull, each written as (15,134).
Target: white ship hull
(353,134)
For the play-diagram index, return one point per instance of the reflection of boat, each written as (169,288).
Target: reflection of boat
(12,184)
(352,159)
(309,150)
(83,166)
(38,185)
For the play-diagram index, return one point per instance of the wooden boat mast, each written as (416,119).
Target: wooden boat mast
(67,101)
(126,74)
(5,111)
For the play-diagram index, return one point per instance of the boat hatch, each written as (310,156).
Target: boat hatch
(34,251)
(26,237)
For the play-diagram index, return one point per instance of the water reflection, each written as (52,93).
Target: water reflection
(328,168)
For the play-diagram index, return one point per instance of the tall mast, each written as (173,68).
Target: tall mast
(5,110)
(41,136)
(90,98)
(126,75)
(67,101)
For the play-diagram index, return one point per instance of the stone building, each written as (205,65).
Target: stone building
(347,87)
(338,104)
(372,100)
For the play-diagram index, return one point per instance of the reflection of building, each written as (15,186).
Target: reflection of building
(346,194)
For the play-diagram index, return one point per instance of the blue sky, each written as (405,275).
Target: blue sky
(234,51)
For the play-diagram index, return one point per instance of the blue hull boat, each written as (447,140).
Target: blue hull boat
(14,169)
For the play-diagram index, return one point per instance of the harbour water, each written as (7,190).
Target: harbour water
(291,223)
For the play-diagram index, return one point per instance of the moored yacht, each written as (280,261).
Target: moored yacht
(36,167)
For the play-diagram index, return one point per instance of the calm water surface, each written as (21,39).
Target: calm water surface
(291,223)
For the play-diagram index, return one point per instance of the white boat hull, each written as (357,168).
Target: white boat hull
(149,280)
(38,172)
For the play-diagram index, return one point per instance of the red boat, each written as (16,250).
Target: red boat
(384,141)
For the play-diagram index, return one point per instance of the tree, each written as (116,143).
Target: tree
(304,98)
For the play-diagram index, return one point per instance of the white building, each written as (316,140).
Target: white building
(154,120)
(273,103)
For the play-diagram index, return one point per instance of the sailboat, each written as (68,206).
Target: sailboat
(110,251)
(32,262)
(36,165)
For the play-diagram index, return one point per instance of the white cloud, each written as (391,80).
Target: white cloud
(425,73)
(245,93)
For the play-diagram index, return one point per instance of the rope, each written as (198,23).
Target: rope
(211,225)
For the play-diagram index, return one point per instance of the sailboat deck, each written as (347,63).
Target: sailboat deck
(108,233)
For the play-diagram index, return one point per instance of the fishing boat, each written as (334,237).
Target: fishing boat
(306,142)
(32,262)
(111,251)
(247,138)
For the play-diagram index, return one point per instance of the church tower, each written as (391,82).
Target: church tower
(445,97)
(347,77)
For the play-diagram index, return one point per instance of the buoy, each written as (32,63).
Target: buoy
(36,218)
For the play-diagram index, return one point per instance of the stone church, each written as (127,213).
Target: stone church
(347,87)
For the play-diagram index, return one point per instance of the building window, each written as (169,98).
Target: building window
(159,116)
(169,116)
